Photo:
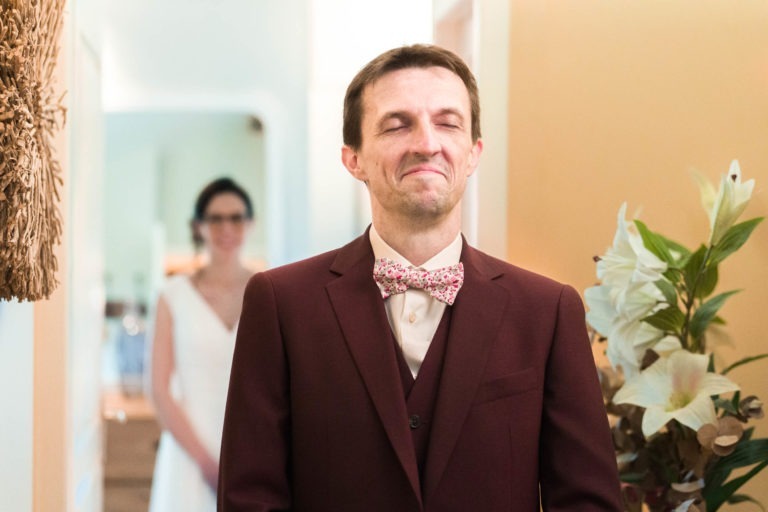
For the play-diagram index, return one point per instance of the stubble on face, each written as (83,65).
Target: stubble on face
(415,178)
(419,200)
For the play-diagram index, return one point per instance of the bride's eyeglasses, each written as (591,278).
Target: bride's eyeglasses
(236,219)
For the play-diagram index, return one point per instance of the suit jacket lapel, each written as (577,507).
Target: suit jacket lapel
(359,308)
(476,316)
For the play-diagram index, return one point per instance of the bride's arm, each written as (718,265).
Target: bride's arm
(170,416)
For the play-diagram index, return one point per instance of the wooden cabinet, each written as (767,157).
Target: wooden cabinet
(132,436)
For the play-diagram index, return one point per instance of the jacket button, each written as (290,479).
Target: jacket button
(414,421)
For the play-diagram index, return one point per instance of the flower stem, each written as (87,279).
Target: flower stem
(689,302)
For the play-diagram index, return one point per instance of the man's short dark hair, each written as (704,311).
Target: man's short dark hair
(414,56)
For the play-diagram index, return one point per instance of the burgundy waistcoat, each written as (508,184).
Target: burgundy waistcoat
(421,393)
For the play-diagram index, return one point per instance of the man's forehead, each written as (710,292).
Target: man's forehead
(396,89)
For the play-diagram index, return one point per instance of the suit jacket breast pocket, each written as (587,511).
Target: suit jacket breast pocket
(508,385)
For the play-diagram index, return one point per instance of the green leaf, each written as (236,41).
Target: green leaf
(668,290)
(726,405)
(736,398)
(674,246)
(673,274)
(706,312)
(632,478)
(654,242)
(717,496)
(708,282)
(744,361)
(747,452)
(694,266)
(715,481)
(742,498)
(669,319)
(718,320)
(734,238)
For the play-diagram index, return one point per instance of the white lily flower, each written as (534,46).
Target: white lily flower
(602,313)
(628,261)
(621,322)
(728,203)
(637,300)
(609,305)
(675,387)
(666,345)
(627,344)
(707,193)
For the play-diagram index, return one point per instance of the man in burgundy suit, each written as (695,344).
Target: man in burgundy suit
(407,371)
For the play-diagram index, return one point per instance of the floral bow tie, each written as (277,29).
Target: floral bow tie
(443,284)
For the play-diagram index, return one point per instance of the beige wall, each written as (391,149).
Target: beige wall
(51,435)
(67,434)
(614,101)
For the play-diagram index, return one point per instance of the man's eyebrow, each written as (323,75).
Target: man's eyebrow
(451,112)
(404,116)
(397,114)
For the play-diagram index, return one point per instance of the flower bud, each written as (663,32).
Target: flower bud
(751,407)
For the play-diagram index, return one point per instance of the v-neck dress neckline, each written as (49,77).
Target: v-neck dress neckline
(207,306)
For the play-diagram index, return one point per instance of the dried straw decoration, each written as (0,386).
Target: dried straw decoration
(30,177)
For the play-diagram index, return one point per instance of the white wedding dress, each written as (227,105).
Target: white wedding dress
(203,348)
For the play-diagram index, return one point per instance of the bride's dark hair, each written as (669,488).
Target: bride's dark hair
(218,186)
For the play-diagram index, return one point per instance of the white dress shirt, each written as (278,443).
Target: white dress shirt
(415,315)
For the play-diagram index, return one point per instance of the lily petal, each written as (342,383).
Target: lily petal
(708,195)
(716,384)
(676,386)
(601,312)
(627,342)
(628,261)
(732,199)
(667,345)
(697,413)
(653,419)
(645,390)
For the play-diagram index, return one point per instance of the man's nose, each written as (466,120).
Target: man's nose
(426,139)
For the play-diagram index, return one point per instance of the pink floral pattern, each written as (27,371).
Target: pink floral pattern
(443,284)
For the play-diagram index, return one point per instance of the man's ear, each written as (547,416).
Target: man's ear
(474,156)
(351,161)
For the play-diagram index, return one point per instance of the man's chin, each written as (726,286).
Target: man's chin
(428,206)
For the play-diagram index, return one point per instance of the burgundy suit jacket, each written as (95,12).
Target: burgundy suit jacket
(316,420)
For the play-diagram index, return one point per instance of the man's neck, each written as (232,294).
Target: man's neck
(417,245)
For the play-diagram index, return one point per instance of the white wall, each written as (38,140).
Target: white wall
(155,165)
(345,35)
(86,263)
(130,214)
(492,62)
(247,56)
(289,61)
(16,362)
(479,31)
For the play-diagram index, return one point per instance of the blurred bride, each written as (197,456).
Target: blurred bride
(194,338)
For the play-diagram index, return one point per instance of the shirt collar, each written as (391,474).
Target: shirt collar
(450,255)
